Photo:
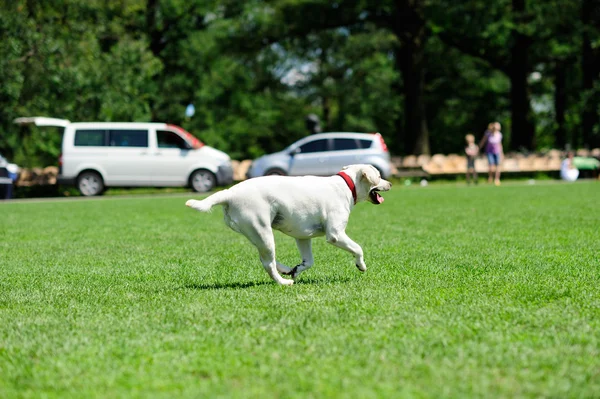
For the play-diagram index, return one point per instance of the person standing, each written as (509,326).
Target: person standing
(568,171)
(13,174)
(492,139)
(471,150)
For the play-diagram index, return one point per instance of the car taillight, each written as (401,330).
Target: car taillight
(60,160)
(382,141)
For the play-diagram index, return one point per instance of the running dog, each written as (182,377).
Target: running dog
(302,207)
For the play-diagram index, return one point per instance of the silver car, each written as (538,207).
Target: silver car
(325,154)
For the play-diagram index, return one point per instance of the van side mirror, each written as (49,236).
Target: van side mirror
(295,151)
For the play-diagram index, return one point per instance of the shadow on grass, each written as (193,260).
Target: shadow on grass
(324,280)
(249,284)
(220,286)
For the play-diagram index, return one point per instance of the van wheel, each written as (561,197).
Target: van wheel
(90,184)
(275,172)
(203,180)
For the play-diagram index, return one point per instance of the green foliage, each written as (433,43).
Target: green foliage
(72,67)
(465,94)
(470,292)
(255,69)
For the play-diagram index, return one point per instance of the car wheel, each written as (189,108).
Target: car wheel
(275,172)
(203,180)
(90,184)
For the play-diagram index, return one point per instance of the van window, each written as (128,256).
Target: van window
(168,139)
(314,146)
(344,144)
(128,138)
(89,138)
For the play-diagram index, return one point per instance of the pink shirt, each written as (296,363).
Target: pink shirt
(494,143)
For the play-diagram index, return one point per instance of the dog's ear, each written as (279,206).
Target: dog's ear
(370,175)
(345,167)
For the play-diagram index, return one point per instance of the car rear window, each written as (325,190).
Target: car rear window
(90,138)
(365,143)
(344,144)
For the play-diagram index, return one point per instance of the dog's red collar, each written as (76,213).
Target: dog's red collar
(350,184)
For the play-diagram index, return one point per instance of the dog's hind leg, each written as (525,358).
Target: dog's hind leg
(305,248)
(267,257)
(265,243)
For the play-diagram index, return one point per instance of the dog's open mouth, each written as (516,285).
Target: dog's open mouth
(375,197)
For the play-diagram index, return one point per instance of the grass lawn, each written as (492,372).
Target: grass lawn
(471,292)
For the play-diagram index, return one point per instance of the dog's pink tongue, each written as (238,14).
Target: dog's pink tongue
(380,199)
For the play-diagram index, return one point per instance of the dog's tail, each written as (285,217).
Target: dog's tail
(206,204)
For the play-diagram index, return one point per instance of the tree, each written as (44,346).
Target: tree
(590,17)
(499,33)
(63,60)
(407,21)
(422,72)
(404,18)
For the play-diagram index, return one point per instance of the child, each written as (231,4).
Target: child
(471,150)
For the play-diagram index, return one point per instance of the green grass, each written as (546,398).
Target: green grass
(471,292)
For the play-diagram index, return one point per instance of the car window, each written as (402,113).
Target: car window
(90,138)
(167,139)
(365,143)
(128,138)
(314,146)
(344,144)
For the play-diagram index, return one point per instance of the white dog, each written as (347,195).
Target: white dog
(301,207)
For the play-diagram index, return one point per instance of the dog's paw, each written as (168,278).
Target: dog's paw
(295,273)
(362,268)
(286,282)
(291,272)
(286,271)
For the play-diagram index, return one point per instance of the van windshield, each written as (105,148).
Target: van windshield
(191,139)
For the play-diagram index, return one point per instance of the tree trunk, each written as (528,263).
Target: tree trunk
(326,114)
(560,104)
(410,28)
(325,102)
(523,129)
(154,34)
(591,71)
(416,134)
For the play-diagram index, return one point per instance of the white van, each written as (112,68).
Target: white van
(97,155)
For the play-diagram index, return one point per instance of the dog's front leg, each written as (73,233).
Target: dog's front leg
(341,240)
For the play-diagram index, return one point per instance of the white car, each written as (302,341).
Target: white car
(96,155)
(325,154)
